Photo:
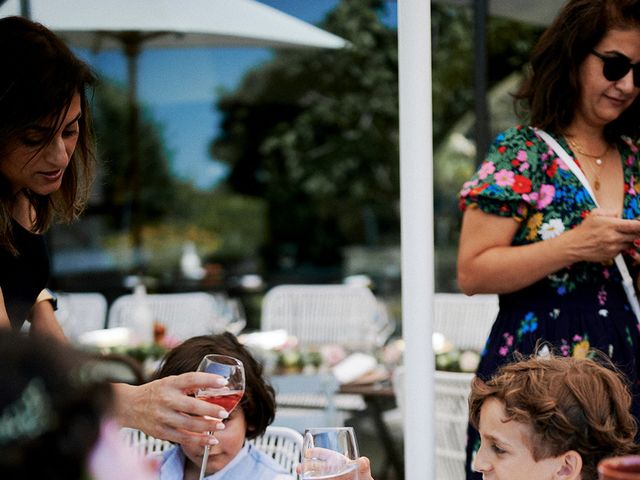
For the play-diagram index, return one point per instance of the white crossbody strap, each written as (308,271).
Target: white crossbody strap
(627,281)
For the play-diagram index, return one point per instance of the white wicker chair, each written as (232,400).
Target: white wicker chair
(81,312)
(451,416)
(143,444)
(283,444)
(324,314)
(465,321)
(184,315)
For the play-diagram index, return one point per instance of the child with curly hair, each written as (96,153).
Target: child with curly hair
(551,417)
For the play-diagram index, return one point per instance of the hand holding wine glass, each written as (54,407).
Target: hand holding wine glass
(226,397)
(329,453)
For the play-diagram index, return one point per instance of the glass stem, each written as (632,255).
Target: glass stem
(205,459)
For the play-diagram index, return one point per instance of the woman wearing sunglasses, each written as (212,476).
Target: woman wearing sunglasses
(531,231)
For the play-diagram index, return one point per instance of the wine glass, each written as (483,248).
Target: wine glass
(329,453)
(226,397)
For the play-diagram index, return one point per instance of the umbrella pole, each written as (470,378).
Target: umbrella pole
(416,199)
(482,126)
(132,51)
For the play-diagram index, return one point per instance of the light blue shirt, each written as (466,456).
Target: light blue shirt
(249,463)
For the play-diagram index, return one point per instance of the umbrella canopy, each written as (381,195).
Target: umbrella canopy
(173,23)
(131,25)
(534,12)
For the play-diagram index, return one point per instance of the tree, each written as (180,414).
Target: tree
(316,134)
(157,192)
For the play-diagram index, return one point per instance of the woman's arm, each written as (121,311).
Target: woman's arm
(4,316)
(44,321)
(488,263)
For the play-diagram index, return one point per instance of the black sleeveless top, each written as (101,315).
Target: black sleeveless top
(23,277)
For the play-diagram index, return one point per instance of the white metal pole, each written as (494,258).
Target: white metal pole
(416,203)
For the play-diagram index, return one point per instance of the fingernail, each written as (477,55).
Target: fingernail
(636,242)
(220,426)
(223,414)
(222,381)
(213,440)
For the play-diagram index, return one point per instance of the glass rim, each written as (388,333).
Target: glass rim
(328,429)
(236,360)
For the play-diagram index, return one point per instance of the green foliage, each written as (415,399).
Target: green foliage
(219,223)
(111,127)
(315,133)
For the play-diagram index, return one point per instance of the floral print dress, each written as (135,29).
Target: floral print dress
(573,310)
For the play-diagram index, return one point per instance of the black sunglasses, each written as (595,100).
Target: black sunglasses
(616,66)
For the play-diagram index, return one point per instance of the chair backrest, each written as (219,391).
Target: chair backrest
(283,444)
(81,312)
(451,417)
(142,444)
(184,315)
(323,314)
(465,321)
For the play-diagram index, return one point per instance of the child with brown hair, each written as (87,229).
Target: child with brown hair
(551,417)
(231,458)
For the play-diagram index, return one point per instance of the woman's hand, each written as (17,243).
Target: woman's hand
(165,409)
(603,235)
(489,263)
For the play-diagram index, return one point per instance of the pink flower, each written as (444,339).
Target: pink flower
(522,155)
(531,198)
(467,186)
(504,178)
(547,192)
(486,169)
(523,166)
(503,351)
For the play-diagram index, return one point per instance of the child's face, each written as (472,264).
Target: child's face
(231,440)
(505,450)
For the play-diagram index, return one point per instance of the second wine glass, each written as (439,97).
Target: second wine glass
(226,397)
(329,453)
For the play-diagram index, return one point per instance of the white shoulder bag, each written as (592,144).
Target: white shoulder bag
(627,281)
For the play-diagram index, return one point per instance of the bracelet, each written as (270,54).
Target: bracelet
(47,295)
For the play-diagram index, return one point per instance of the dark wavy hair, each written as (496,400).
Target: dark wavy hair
(571,404)
(40,77)
(258,402)
(550,94)
(50,413)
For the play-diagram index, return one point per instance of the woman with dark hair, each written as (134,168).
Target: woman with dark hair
(551,417)
(46,168)
(557,201)
(46,163)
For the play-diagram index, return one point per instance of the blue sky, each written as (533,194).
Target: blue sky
(178,87)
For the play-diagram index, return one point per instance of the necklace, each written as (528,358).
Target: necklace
(599,160)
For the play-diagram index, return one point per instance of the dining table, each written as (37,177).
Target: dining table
(379,397)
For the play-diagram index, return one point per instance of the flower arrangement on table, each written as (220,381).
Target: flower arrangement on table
(453,359)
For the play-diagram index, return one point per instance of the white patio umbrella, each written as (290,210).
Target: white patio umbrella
(131,25)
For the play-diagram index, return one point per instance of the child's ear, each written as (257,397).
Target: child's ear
(570,466)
